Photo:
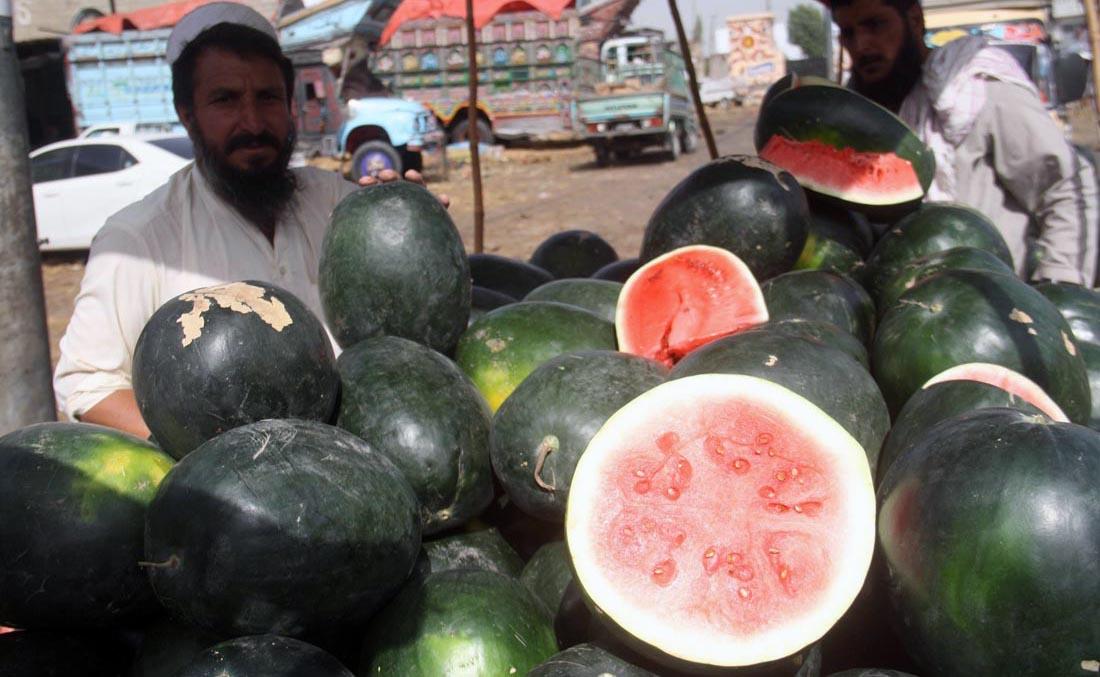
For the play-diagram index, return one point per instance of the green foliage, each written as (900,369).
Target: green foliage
(806,28)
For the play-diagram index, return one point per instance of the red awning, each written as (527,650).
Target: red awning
(161,16)
(484,11)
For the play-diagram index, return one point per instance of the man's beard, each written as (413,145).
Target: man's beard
(890,91)
(260,194)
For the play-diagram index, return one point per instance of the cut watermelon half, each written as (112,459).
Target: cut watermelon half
(684,299)
(1005,379)
(721,520)
(860,177)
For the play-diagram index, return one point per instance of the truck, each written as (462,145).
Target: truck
(639,99)
(123,79)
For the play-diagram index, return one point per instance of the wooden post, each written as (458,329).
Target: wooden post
(693,82)
(471,131)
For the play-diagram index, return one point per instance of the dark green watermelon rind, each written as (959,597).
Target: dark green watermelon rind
(506,275)
(547,573)
(910,274)
(1080,307)
(596,296)
(959,316)
(481,549)
(392,262)
(841,118)
(267,655)
(826,376)
(939,402)
(417,407)
(585,660)
(476,618)
(821,295)
(553,415)
(1007,539)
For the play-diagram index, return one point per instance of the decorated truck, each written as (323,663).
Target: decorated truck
(638,99)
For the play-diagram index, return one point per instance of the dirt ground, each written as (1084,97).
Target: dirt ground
(529,195)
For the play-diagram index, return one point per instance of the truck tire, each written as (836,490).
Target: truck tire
(372,157)
(603,155)
(460,132)
(672,142)
(691,141)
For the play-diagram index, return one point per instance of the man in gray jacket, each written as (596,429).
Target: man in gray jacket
(997,148)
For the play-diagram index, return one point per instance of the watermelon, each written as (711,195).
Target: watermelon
(74,498)
(598,296)
(619,271)
(821,295)
(545,424)
(684,299)
(586,659)
(738,538)
(826,376)
(420,410)
(220,357)
(483,299)
(268,655)
(463,621)
(1006,379)
(935,227)
(547,573)
(1091,354)
(481,549)
(993,565)
(958,316)
(937,402)
(871,672)
(500,349)
(741,203)
(912,272)
(1080,307)
(841,144)
(274,502)
(506,275)
(826,251)
(573,253)
(819,331)
(167,646)
(392,262)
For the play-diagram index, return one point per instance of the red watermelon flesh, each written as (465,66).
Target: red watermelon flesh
(862,177)
(722,520)
(684,299)
(1005,379)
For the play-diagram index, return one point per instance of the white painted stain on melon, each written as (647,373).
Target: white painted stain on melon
(1020,316)
(771,361)
(240,297)
(1090,666)
(1071,347)
(760,163)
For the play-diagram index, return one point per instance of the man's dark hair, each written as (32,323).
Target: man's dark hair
(902,6)
(240,40)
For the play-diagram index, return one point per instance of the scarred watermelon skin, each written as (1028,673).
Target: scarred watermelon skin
(960,316)
(738,202)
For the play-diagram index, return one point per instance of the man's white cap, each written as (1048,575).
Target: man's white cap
(207,16)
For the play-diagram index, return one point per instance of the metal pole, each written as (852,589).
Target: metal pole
(1093,23)
(27,395)
(685,49)
(471,130)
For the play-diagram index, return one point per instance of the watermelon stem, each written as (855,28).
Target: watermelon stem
(548,445)
(172,562)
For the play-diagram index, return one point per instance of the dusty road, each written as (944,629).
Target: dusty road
(529,195)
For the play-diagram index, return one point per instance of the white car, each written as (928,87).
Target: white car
(78,183)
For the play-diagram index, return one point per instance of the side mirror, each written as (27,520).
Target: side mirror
(1071,72)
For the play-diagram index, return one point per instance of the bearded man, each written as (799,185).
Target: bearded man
(997,148)
(237,213)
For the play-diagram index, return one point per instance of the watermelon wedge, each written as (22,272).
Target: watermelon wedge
(721,520)
(684,299)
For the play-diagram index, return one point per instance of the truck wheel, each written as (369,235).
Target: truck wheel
(412,159)
(603,155)
(460,132)
(372,157)
(691,141)
(672,142)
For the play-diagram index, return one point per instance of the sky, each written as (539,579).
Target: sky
(655,13)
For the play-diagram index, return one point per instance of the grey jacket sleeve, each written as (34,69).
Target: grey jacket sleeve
(1048,177)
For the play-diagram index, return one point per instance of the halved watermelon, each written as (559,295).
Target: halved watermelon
(1005,379)
(684,299)
(721,520)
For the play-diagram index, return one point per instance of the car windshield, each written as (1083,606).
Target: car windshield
(178,145)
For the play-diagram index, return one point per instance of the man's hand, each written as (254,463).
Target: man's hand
(387,175)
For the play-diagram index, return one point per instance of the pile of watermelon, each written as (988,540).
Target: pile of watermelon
(798,434)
